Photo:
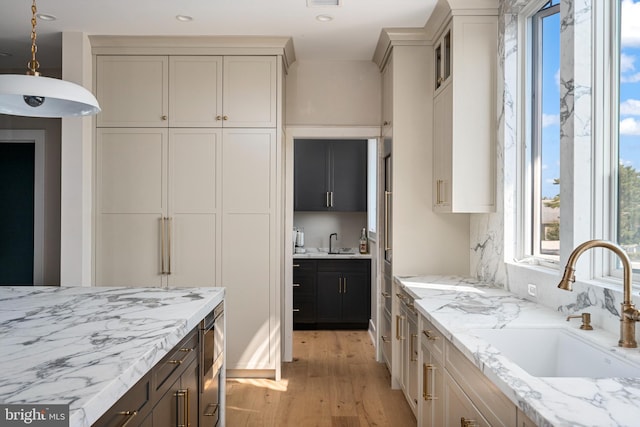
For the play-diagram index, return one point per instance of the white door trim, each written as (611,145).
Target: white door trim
(36,137)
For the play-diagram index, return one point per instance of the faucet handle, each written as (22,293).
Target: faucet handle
(586,321)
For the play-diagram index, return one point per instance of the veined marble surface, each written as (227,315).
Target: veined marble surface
(323,253)
(86,346)
(455,305)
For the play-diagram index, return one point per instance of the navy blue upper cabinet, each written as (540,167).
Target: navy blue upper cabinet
(330,175)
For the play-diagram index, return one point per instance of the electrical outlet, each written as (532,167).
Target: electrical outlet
(532,289)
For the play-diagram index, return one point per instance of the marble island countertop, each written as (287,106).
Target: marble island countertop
(86,346)
(456,306)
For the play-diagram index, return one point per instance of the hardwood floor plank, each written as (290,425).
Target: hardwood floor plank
(334,381)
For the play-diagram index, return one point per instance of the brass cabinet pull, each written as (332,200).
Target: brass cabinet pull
(175,362)
(130,415)
(426,367)
(428,334)
(384,339)
(218,117)
(467,422)
(386,294)
(186,350)
(163,117)
(169,222)
(398,319)
(296,310)
(387,194)
(225,117)
(184,394)
(211,412)
(162,257)
(412,349)
(296,285)
(296,265)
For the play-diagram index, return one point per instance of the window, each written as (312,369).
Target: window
(543,151)
(628,132)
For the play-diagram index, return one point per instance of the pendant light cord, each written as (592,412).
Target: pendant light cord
(33,65)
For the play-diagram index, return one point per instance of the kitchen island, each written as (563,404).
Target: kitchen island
(456,307)
(87,346)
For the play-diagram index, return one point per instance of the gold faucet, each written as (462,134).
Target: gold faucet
(629,315)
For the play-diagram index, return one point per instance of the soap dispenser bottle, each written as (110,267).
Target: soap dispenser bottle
(364,242)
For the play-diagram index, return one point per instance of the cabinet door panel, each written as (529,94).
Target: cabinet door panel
(442,149)
(349,175)
(195,91)
(130,170)
(249,281)
(132,91)
(311,175)
(329,308)
(248,172)
(356,302)
(249,91)
(193,206)
(128,250)
(165,413)
(458,406)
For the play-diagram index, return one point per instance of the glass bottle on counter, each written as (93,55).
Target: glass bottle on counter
(364,242)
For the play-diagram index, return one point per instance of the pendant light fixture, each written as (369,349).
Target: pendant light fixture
(36,96)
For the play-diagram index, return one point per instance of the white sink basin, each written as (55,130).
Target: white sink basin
(556,352)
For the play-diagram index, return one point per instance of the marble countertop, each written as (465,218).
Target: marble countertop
(455,305)
(86,346)
(323,253)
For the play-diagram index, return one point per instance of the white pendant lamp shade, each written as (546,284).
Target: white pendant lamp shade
(37,96)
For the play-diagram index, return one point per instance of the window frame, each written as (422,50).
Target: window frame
(532,170)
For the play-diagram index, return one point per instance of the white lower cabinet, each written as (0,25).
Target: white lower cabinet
(455,392)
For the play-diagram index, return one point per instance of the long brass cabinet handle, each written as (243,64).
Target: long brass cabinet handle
(344,285)
(129,416)
(398,319)
(162,243)
(184,394)
(326,199)
(413,354)
(331,199)
(426,368)
(387,195)
(169,232)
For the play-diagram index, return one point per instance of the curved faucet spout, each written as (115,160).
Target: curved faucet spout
(629,314)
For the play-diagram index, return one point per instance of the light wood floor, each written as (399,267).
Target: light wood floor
(333,381)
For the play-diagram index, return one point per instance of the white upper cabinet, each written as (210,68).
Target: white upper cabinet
(133,91)
(195,94)
(464,115)
(187,91)
(249,92)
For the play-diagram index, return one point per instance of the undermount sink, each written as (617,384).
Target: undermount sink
(556,352)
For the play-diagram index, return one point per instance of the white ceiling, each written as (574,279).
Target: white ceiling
(352,35)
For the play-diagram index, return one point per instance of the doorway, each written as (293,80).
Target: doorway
(22,213)
(292,134)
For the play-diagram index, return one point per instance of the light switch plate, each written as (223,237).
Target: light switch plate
(532,289)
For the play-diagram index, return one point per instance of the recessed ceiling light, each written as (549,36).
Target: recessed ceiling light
(324,18)
(184,18)
(46,17)
(323,3)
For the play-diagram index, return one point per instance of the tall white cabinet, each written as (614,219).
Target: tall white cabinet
(188,181)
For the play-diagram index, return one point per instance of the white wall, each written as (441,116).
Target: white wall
(319,225)
(333,93)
